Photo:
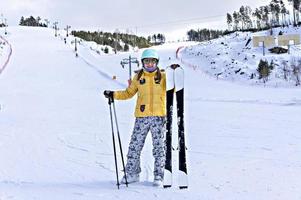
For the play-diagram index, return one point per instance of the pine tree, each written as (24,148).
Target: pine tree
(296,9)
(257,15)
(38,21)
(154,38)
(296,70)
(265,16)
(285,69)
(229,20)
(126,47)
(264,70)
(242,16)
(283,12)
(106,50)
(21,21)
(247,17)
(236,19)
(275,11)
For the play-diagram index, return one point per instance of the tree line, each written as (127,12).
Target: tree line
(156,39)
(118,41)
(273,15)
(31,21)
(203,34)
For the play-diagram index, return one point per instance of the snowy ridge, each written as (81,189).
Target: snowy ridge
(228,58)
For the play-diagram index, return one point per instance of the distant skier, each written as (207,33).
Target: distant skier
(150,85)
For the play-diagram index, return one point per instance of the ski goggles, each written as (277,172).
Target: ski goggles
(149,60)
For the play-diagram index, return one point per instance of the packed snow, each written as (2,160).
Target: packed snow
(55,137)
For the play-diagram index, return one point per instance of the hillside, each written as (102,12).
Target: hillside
(228,58)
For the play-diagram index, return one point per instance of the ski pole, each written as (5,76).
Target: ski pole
(113,137)
(119,140)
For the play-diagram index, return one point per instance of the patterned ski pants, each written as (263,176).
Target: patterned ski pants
(142,126)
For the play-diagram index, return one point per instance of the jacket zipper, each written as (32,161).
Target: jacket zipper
(151,97)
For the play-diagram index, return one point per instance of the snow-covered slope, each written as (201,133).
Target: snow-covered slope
(230,58)
(55,136)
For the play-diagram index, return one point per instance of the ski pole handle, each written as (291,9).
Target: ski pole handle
(110,95)
(110,100)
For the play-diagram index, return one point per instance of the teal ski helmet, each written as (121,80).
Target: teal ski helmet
(150,53)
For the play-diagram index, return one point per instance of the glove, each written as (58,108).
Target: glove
(109,94)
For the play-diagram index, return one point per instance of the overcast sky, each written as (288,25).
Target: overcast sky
(145,16)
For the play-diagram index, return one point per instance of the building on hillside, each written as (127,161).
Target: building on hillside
(280,40)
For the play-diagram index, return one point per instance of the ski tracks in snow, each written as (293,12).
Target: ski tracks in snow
(102,73)
(2,67)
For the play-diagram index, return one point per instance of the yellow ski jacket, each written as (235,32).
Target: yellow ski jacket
(151,99)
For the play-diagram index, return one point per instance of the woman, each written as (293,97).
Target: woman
(150,85)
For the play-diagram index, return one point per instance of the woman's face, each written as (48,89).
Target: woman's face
(150,62)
